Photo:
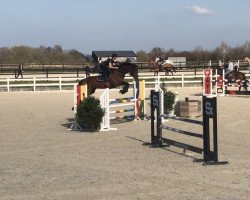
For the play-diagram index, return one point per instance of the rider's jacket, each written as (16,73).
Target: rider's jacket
(106,62)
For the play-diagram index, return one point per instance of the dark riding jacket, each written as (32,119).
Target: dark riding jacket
(105,68)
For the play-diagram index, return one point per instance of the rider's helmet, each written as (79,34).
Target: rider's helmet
(114,55)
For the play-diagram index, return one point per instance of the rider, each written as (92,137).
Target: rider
(160,61)
(106,66)
(236,66)
(229,67)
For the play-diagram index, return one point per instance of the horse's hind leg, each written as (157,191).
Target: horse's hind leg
(91,90)
(245,85)
(125,88)
(239,88)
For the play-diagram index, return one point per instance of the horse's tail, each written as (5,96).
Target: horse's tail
(244,77)
(137,72)
(244,80)
(83,81)
(174,68)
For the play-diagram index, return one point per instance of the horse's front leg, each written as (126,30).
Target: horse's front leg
(125,87)
(239,88)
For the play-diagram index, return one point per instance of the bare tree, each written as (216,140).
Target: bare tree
(224,50)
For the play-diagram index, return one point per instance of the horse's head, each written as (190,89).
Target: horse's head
(152,63)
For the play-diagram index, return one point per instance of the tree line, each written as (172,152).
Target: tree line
(223,52)
(41,55)
(56,55)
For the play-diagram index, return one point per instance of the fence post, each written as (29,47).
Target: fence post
(182,80)
(8,84)
(209,63)
(34,84)
(159,81)
(77,73)
(60,83)
(47,73)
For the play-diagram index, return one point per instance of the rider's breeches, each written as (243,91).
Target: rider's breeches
(227,72)
(105,72)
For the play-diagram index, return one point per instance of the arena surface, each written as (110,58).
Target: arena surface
(41,159)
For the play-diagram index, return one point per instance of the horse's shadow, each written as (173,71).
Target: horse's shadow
(144,143)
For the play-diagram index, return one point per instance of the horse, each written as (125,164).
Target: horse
(116,79)
(167,66)
(155,66)
(234,77)
(247,60)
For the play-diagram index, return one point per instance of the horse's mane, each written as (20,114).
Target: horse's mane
(127,64)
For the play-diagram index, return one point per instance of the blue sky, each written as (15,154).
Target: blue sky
(87,25)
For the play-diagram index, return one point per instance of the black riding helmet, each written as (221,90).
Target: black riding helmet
(114,55)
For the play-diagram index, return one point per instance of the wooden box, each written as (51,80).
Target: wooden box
(188,108)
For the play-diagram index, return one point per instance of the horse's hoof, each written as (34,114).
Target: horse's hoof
(122,91)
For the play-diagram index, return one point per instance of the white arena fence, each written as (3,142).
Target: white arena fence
(61,83)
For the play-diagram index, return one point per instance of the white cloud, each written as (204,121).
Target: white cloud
(199,10)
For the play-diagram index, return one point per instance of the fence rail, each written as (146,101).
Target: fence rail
(189,66)
(60,83)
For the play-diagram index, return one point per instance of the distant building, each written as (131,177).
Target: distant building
(123,56)
(178,61)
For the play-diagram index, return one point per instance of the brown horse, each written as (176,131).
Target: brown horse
(166,66)
(116,79)
(235,77)
(155,66)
